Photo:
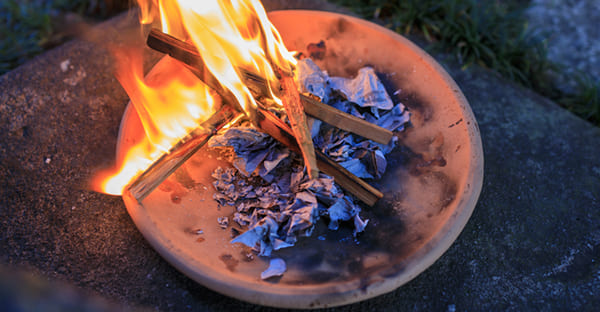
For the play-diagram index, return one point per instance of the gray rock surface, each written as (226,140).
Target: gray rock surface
(573,31)
(533,242)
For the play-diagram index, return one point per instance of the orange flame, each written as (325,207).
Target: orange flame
(229,34)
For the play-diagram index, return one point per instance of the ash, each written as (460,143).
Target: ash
(267,184)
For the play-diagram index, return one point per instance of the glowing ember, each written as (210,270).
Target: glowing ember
(229,35)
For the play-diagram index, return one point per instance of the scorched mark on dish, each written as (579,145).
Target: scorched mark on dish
(456,123)
(422,112)
(427,168)
(230,261)
(338,28)
(183,177)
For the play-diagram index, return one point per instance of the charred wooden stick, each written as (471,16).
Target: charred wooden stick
(268,122)
(161,169)
(279,130)
(188,54)
(291,102)
(347,122)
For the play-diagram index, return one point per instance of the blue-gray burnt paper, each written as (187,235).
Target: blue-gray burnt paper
(267,184)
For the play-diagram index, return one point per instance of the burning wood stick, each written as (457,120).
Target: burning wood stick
(291,102)
(279,130)
(161,169)
(268,122)
(187,54)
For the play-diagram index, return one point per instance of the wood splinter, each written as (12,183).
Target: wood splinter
(295,112)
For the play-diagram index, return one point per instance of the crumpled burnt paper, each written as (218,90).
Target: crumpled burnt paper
(267,184)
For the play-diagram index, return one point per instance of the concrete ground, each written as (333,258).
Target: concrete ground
(533,242)
(572,29)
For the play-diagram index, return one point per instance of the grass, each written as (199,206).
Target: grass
(493,34)
(586,101)
(28,27)
(23,28)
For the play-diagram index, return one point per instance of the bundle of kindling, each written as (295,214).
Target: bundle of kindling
(294,165)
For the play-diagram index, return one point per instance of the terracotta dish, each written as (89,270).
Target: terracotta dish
(431,185)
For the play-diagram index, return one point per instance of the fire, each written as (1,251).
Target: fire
(229,34)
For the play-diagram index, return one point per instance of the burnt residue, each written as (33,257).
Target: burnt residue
(341,253)
(427,167)
(421,111)
(329,255)
(386,233)
(316,51)
(350,71)
(183,177)
(456,123)
(415,163)
(423,165)
(393,270)
(311,260)
(355,266)
(230,262)
(401,157)
(339,63)
(385,209)
(448,189)
(423,162)
(176,190)
(449,194)
(388,84)
(315,277)
(369,280)
(176,198)
(338,27)
(247,254)
(235,232)
(435,149)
